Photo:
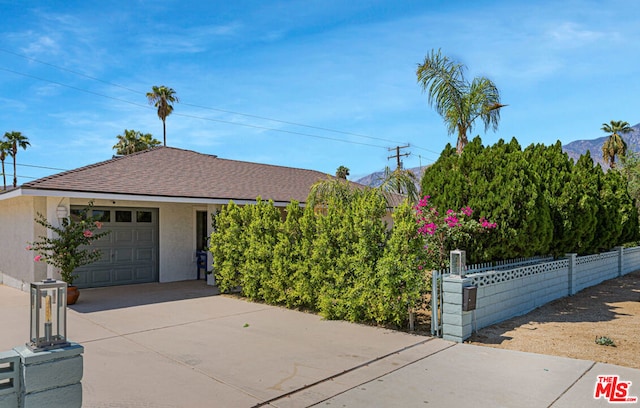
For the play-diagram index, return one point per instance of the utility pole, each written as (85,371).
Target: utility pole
(398,155)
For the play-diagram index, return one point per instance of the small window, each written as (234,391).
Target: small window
(77,214)
(123,216)
(143,216)
(102,215)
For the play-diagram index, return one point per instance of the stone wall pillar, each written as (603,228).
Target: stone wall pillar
(572,274)
(51,378)
(456,324)
(620,251)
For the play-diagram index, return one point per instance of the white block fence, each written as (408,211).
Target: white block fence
(517,290)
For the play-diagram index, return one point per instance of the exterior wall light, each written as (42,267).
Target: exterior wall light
(458,262)
(61,212)
(48,315)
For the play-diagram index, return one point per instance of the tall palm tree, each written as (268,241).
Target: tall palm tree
(342,172)
(615,144)
(5,147)
(16,140)
(162,98)
(459,102)
(132,141)
(400,181)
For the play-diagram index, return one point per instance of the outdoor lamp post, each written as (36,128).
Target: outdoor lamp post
(48,315)
(457,262)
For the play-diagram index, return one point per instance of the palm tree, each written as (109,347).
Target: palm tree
(162,97)
(400,181)
(342,172)
(615,144)
(16,139)
(132,141)
(5,147)
(459,102)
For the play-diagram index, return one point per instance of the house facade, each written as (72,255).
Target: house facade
(157,204)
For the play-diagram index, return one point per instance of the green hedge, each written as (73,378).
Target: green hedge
(338,258)
(542,201)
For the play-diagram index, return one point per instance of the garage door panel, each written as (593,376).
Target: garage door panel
(123,275)
(145,254)
(123,236)
(122,255)
(144,273)
(105,258)
(100,276)
(145,236)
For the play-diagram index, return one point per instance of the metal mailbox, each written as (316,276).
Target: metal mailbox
(469,295)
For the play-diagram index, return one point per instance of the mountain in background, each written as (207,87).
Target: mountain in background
(573,149)
(579,147)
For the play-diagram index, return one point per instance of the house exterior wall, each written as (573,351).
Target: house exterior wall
(17,268)
(177,235)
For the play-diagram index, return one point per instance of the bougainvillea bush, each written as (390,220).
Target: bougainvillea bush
(69,247)
(445,232)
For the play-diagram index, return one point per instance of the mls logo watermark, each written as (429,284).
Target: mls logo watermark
(614,390)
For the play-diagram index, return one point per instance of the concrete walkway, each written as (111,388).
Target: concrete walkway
(179,345)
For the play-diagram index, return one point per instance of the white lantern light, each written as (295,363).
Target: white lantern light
(48,315)
(458,262)
(61,212)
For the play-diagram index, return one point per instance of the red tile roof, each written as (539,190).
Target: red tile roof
(171,172)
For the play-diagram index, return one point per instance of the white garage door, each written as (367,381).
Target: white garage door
(129,251)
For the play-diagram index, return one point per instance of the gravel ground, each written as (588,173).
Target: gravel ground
(570,326)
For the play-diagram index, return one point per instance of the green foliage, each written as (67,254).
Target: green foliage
(227,247)
(323,258)
(400,276)
(260,235)
(69,248)
(278,287)
(605,341)
(132,141)
(542,201)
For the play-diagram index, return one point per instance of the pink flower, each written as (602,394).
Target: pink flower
(28,247)
(487,224)
(451,221)
(428,229)
(98,224)
(424,201)
(87,234)
(467,211)
(37,258)
(450,211)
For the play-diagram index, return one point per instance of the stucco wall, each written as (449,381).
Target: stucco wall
(177,236)
(17,268)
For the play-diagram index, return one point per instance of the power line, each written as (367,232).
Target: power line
(137,92)
(193,105)
(187,115)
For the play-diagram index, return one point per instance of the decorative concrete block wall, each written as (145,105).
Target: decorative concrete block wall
(44,379)
(9,379)
(508,293)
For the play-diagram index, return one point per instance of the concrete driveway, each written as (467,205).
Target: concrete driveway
(180,345)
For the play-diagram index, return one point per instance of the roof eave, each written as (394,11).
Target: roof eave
(32,192)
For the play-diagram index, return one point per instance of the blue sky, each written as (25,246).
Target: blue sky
(310,84)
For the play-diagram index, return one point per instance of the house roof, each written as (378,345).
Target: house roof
(171,172)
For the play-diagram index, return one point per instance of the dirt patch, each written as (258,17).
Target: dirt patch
(570,326)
